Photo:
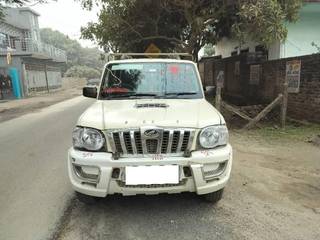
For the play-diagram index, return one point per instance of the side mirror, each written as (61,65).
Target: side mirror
(90,92)
(208,89)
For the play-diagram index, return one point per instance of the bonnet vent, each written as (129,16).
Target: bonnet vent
(151,105)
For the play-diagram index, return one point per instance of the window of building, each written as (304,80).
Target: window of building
(27,34)
(33,20)
(13,42)
(234,53)
(262,49)
(35,35)
(4,40)
(246,50)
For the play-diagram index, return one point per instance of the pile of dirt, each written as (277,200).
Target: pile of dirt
(315,140)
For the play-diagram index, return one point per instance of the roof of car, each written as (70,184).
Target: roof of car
(139,60)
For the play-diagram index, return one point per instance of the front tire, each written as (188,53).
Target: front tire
(86,199)
(213,197)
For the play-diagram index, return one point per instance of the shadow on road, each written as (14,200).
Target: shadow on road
(183,216)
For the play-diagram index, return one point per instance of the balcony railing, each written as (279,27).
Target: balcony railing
(30,46)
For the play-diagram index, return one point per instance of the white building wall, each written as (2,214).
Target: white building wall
(226,46)
(275,51)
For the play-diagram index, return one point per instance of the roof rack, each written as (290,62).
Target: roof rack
(117,56)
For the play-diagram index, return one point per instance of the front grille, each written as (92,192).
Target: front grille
(152,145)
(138,142)
(134,142)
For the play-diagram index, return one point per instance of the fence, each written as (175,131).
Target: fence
(26,45)
(252,80)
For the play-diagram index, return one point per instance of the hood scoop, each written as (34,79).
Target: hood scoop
(151,105)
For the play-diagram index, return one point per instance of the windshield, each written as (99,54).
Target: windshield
(150,80)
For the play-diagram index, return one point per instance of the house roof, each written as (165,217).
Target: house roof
(16,18)
(27,9)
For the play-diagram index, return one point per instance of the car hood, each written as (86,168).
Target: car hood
(114,114)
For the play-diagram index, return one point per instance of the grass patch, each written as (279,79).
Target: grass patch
(291,132)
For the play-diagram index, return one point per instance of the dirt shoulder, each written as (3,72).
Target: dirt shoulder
(14,108)
(274,191)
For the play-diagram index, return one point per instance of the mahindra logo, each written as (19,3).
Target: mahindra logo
(152,133)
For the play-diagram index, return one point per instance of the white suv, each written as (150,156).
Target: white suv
(150,131)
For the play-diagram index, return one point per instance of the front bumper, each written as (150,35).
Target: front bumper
(109,176)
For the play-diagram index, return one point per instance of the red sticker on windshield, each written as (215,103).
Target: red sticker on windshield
(116,90)
(174,69)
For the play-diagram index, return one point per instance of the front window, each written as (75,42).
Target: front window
(151,80)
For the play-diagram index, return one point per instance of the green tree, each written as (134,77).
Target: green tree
(76,54)
(209,50)
(122,26)
(187,25)
(264,21)
(313,44)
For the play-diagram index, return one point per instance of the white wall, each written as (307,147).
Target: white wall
(275,51)
(226,46)
(300,36)
(302,33)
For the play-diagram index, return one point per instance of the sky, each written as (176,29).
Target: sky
(66,16)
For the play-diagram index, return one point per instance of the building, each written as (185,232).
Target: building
(38,65)
(299,42)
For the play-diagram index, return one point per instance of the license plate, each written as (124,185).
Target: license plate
(152,175)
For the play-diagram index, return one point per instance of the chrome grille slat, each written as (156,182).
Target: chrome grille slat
(175,141)
(190,140)
(127,142)
(111,141)
(137,138)
(170,141)
(159,147)
(180,141)
(185,141)
(133,141)
(123,146)
(165,141)
(117,142)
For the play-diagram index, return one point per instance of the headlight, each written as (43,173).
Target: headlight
(213,136)
(87,138)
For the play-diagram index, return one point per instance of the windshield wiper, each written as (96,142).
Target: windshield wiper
(143,95)
(132,95)
(180,93)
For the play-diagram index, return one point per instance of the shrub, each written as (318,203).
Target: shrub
(82,72)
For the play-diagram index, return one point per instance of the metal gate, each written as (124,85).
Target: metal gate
(41,77)
(6,90)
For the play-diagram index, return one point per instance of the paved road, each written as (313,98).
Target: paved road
(34,189)
(273,193)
